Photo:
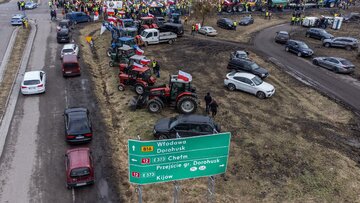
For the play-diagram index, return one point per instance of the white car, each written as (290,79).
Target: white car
(208,31)
(33,82)
(250,83)
(69,49)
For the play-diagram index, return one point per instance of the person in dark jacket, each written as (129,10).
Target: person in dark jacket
(213,107)
(208,100)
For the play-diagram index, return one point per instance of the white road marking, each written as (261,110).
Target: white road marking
(66,99)
(73,195)
(83,81)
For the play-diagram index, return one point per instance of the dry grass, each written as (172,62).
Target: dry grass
(12,67)
(293,147)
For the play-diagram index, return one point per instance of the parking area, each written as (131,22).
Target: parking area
(280,146)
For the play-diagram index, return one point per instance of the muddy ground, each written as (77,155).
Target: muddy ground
(347,30)
(12,67)
(297,146)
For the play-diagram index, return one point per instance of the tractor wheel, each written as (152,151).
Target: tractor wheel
(154,106)
(109,52)
(139,89)
(228,9)
(332,4)
(240,8)
(121,87)
(187,105)
(111,63)
(253,8)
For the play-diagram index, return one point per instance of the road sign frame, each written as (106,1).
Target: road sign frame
(193,145)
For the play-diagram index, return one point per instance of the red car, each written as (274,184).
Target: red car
(79,167)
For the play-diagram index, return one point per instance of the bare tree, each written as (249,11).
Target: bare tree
(204,8)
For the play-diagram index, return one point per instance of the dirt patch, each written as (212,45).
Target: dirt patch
(12,67)
(297,146)
(347,30)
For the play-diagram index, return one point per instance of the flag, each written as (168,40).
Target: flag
(184,76)
(102,29)
(136,65)
(144,61)
(139,51)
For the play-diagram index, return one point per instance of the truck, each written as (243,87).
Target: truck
(154,36)
(301,4)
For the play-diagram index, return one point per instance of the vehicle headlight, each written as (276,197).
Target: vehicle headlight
(263,74)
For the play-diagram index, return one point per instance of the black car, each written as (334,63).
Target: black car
(299,48)
(63,35)
(226,24)
(246,65)
(172,27)
(78,127)
(282,37)
(64,24)
(160,20)
(318,33)
(185,126)
(246,20)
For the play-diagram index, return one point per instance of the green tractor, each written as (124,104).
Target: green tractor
(121,55)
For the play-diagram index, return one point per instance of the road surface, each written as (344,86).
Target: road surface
(32,165)
(337,86)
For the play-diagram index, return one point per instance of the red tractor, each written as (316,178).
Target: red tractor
(179,94)
(135,59)
(138,76)
(232,6)
(147,23)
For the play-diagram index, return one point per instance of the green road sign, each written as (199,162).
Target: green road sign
(177,159)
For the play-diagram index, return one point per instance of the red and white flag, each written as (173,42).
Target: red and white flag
(139,51)
(144,62)
(184,76)
(136,65)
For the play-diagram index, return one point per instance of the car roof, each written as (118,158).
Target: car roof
(350,38)
(70,58)
(68,46)
(297,41)
(79,157)
(193,118)
(283,32)
(18,15)
(243,74)
(241,52)
(32,75)
(207,27)
(75,110)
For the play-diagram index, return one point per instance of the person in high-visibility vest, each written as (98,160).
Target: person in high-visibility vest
(50,4)
(235,24)
(293,20)
(266,14)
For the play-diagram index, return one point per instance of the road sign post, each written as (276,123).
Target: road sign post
(177,159)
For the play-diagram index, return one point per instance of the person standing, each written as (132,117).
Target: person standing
(208,100)
(156,68)
(235,24)
(18,4)
(213,107)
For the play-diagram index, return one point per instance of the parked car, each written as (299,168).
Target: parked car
(79,166)
(78,17)
(282,37)
(342,42)
(153,36)
(70,65)
(226,23)
(208,31)
(246,65)
(247,20)
(17,19)
(30,5)
(172,27)
(318,33)
(78,127)
(160,20)
(69,49)
(185,126)
(65,23)
(299,48)
(352,17)
(63,35)
(336,64)
(33,83)
(240,54)
(249,83)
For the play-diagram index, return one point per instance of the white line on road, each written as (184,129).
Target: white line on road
(73,195)
(66,99)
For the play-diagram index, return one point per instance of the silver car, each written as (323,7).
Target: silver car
(342,42)
(240,54)
(208,31)
(336,64)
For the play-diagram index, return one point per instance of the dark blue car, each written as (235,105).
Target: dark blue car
(78,17)
(299,48)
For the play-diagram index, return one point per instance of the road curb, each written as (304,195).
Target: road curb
(8,51)
(11,101)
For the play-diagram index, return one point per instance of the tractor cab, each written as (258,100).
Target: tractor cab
(122,54)
(126,40)
(178,86)
(135,59)
(175,18)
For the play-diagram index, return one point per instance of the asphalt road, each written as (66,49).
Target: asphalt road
(32,165)
(342,88)
(6,28)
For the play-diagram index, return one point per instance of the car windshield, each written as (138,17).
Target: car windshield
(303,45)
(146,75)
(346,62)
(68,50)
(63,24)
(129,24)
(78,124)
(254,66)
(322,31)
(71,65)
(257,80)
(15,18)
(78,172)
(31,82)
(232,73)
(143,33)
(283,34)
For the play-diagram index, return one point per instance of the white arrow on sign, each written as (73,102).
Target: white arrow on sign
(222,165)
(133,160)
(133,148)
